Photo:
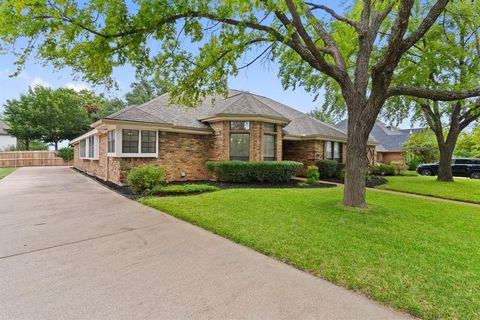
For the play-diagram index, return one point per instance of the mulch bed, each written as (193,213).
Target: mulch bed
(127,192)
(259,185)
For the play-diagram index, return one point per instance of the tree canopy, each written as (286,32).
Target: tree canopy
(198,45)
(143,91)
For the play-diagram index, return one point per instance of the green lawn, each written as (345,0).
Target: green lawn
(417,255)
(462,189)
(5,172)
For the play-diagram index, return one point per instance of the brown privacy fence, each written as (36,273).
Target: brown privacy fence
(31,159)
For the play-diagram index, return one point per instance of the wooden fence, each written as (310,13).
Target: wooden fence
(31,159)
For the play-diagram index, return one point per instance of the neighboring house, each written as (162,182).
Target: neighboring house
(243,126)
(6,141)
(390,139)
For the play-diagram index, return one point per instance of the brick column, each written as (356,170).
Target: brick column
(279,143)
(256,141)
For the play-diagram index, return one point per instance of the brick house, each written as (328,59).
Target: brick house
(243,126)
(390,140)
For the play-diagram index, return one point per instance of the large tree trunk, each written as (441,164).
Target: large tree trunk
(56,145)
(445,164)
(27,144)
(446,152)
(356,170)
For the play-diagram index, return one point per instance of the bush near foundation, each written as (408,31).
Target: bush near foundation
(145,177)
(312,175)
(328,169)
(254,171)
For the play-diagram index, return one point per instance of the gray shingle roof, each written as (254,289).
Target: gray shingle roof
(391,140)
(160,111)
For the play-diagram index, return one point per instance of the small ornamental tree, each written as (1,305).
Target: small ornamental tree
(304,37)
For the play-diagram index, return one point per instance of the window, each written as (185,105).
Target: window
(111,141)
(240,125)
(239,140)
(130,141)
(91,147)
(269,127)
(269,141)
(333,151)
(149,141)
(239,146)
(83,148)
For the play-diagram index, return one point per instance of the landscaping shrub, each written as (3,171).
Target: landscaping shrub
(327,169)
(312,175)
(182,189)
(399,166)
(66,153)
(145,177)
(382,169)
(254,171)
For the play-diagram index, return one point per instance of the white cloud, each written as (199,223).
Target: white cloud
(37,81)
(77,86)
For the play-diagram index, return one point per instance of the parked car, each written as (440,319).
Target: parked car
(461,167)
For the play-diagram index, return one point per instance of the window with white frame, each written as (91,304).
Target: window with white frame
(91,147)
(83,148)
(111,141)
(130,140)
(138,142)
(149,141)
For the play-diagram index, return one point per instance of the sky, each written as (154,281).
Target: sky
(259,78)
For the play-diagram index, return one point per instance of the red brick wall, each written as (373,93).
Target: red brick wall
(387,157)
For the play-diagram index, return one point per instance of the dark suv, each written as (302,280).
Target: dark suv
(462,167)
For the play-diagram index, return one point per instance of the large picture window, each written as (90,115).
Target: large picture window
(91,147)
(269,141)
(130,141)
(111,141)
(149,141)
(333,151)
(239,140)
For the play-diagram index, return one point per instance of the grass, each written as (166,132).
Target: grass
(417,255)
(5,172)
(462,189)
(183,189)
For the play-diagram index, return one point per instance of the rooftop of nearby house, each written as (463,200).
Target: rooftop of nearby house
(391,139)
(237,104)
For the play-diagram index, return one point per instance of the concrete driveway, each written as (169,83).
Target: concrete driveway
(72,249)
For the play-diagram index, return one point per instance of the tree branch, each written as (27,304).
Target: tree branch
(426,24)
(432,94)
(334,14)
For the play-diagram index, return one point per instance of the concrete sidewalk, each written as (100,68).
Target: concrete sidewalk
(72,249)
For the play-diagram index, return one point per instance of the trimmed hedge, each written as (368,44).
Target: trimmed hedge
(145,177)
(182,189)
(328,169)
(254,171)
